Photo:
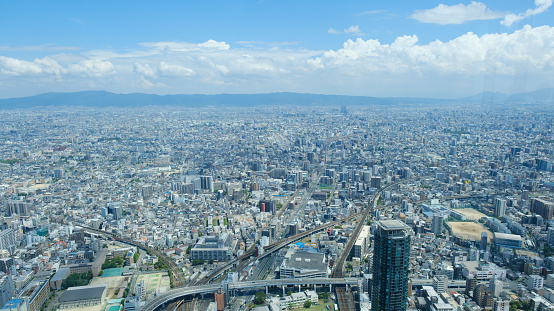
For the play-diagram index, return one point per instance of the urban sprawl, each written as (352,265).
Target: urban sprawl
(432,208)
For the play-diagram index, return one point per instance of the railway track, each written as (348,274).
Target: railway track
(339,265)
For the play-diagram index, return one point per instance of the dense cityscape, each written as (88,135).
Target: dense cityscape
(434,208)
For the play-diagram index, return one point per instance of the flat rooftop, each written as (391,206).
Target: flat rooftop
(392,225)
(83,293)
(12,303)
(506,236)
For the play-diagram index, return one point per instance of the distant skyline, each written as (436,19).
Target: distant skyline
(439,49)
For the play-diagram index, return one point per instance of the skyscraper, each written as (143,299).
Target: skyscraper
(207,183)
(437,224)
(390,266)
(500,207)
(484,239)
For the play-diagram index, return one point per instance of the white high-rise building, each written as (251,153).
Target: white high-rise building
(500,207)
(535,281)
(440,283)
(496,286)
(500,305)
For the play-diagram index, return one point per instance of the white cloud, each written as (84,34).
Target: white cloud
(542,6)
(370,12)
(16,67)
(92,67)
(361,67)
(211,44)
(505,53)
(353,30)
(176,71)
(12,66)
(456,14)
(172,46)
(144,70)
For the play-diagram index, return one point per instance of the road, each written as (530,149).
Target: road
(137,271)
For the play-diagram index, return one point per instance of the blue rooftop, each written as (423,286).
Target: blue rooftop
(12,303)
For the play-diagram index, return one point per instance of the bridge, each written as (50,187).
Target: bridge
(168,296)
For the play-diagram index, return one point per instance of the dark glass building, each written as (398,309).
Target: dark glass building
(390,266)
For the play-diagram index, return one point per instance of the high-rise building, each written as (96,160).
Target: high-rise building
(471,282)
(376,182)
(207,183)
(437,224)
(500,305)
(7,239)
(496,286)
(440,283)
(20,208)
(550,236)
(390,266)
(542,207)
(220,299)
(147,192)
(500,207)
(484,240)
(534,281)
(6,289)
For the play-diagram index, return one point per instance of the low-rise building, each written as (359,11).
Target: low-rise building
(83,296)
(304,265)
(212,247)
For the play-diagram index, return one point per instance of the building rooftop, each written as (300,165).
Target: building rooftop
(307,261)
(392,225)
(62,272)
(83,293)
(12,303)
(506,236)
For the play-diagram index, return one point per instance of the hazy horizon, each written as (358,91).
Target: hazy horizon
(389,49)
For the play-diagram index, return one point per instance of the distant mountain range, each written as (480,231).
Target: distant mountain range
(107,99)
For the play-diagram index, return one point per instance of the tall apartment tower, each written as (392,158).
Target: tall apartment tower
(500,207)
(484,239)
(207,183)
(437,224)
(390,266)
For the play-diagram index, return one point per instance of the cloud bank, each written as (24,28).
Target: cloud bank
(406,67)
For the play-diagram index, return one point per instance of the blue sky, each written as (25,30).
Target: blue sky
(442,49)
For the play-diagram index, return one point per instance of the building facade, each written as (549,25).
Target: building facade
(390,266)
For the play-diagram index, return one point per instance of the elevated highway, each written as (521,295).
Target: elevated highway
(168,296)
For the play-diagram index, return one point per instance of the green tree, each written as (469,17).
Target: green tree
(259,298)
(116,262)
(136,256)
(307,304)
(77,279)
(211,261)
(289,292)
